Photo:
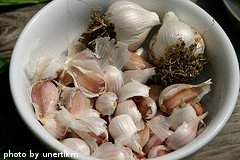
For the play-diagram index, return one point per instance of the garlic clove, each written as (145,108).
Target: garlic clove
(146,106)
(160,125)
(183,135)
(110,151)
(129,107)
(132,22)
(106,103)
(77,144)
(141,76)
(66,79)
(153,141)
(90,83)
(53,126)
(158,151)
(114,78)
(75,102)
(174,95)
(136,62)
(132,89)
(144,135)
(183,114)
(44,96)
(154,92)
(199,108)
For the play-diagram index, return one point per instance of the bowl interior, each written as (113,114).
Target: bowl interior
(61,22)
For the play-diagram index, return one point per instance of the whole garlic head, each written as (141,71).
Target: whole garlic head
(132,22)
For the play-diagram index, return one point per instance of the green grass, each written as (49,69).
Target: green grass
(19,2)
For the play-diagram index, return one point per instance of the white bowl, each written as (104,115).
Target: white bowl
(61,22)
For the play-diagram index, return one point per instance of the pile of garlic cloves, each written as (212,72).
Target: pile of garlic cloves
(103,102)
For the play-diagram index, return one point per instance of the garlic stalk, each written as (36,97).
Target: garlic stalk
(158,151)
(132,22)
(44,97)
(174,95)
(129,107)
(173,32)
(77,145)
(160,125)
(141,76)
(114,78)
(132,89)
(110,151)
(106,103)
(182,114)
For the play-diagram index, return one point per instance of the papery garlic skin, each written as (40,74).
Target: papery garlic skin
(77,145)
(44,97)
(158,151)
(153,141)
(176,94)
(132,89)
(129,107)
(114,78)
(144,135)
(132,22)
(106,103)
(172,32)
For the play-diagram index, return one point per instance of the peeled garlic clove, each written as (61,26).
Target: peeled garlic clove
(132,89)
(131,29)
(146,106)
(110,151)
(183,135)
(129,107)
(160,125)
(141,76)
(144,135)
(174,95)
(53,126)
(183,114)
(199,108)
(114,78)
(154,92)
(136,62)
(153,141)
(90,83)
(106,103)
(173,32)
(158,151)
(44,96)
(75,102)
(77,145)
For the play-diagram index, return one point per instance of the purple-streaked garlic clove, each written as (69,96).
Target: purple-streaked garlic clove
(114,78)
(183,135)
(141,76)
(185,113)
(129,107)
(123,131)
(174,95)
(51,123)
(75,102)
(136,63)
(132,89)
(144,135)
(159,125)
(77,144)
(153,141)
(106,103)
(90,83)
(44,96)
(158,151)
(110,151)
(154,92)
(199,108)
(146,106)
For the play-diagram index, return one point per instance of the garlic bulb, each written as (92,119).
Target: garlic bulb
(132,89)
(174,95)
(129,107)
(173,32)
(158,151)
(77,145)
(132,22)
(114,78)
(141,76)
(106,103)
(44,96)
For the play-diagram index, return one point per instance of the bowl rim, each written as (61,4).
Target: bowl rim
(181,153)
